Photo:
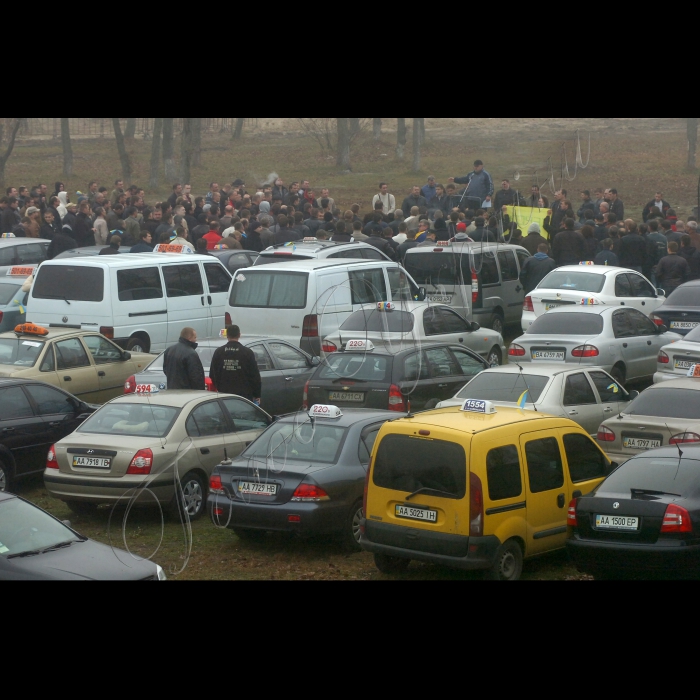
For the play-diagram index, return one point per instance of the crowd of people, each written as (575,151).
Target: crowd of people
(663,248)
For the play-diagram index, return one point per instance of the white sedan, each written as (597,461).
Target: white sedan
(612,286)
(396,327)
(675,360)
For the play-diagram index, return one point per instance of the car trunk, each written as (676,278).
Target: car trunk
(543,301)
(681,359)
(553,348)
(642,433)
(679,319)
(350,393)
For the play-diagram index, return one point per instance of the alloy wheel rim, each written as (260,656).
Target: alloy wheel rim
(508,565)
(192,496)
(3,480)
(356,522)
(137,348)
(493,360)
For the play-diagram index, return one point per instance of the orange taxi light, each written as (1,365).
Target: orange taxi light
(30,329)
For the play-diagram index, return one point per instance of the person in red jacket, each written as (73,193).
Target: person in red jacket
(212,238)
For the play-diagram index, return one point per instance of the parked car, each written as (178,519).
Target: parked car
(585,395)
(409,324)
(644,518)
(88,252)
(84,363)
(664,414)
(300,476)
(414,379)
(141,440)
(312,249)
(623,341)
(33,416)
(234,260)
(284,371)
(13,301)
(681,311)
(22,252)
(676,359)
(611,286)
(35,546)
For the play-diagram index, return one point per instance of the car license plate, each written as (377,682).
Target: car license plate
(684,364)
(248,488)
(92,462)
(684,325)
(346,396)
(616,522)
(440,299)
(408,513)
(542,355)
(640,444)
(549,307)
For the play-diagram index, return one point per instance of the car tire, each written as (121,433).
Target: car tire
(391,565)
(495,358)
(193,498)
(5,477)
(249,535)
(508,564)
(137,344)
(81,508)
(618,374)
(351,533)
(498,323)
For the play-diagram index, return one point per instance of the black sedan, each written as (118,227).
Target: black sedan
(33,416)
(35,546)
(303,475)
(235,260)
(645,517)
(416,379)
(680,313)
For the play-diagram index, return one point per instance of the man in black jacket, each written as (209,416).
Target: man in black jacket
(61,243)
(378,241)
(182,365)
(536,268)
(534,239)
(234,369)
(415,199)
(569,247)
(659,203)
(633,250)
(672,271)
(10,216)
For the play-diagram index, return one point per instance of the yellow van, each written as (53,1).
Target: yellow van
(475,488)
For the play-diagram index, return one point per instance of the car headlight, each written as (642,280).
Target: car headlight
(161,573)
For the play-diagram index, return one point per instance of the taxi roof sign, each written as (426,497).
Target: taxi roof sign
(321,411)
(694,372)
(589,302)
(146,389)
(168,248)
(587,263)
(477,406)
(21,271)
(385,306)
(8,235)
(359,346)
(30,329)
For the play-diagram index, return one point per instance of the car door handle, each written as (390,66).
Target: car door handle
(624,345)
(443,386)
(289,379)
(608,410)
(67,379)
(202,301)
(573,413)
(648,342)
(55,425)
(205,450)
(209,300)
(561,500)
(101,374)
(518,289)
(8,430)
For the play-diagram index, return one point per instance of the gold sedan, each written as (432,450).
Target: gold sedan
(83,363)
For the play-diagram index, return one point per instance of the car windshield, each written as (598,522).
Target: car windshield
(294,442)
(23,352)
(356,366)
(663,475)
(205,355)
(685,296)
(504,387)
(7,293)
(373,321)
(567,324)
(667,403)
(25,528)
(134,419)
(573,281)
(433,269)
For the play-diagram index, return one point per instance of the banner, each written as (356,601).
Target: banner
(524,216)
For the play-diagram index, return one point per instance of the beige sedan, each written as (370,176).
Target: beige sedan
(165,442)
(85,364)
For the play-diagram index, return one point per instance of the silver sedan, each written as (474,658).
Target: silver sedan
(675,360)
(622,340)
(586,396)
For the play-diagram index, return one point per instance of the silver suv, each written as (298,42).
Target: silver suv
(319,250)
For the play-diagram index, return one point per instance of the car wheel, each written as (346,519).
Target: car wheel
(494,359)
(390,565)
(508,565)
(137,344)
(81,508)
(498,323)
(351,533)
(618,374)
(249,535)
(5,477)
(193,498)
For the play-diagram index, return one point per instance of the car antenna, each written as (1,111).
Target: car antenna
(680,452)
(534,405)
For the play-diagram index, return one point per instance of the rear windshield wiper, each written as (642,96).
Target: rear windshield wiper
(431,492)
(52,296)
(649,492)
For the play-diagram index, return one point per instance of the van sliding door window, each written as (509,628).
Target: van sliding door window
(368,286)
(183,281)
(137,285)
(74,283)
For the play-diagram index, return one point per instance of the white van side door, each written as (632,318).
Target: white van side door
(184,288)
(218,284)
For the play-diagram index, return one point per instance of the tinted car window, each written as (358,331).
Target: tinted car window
(544,465)
(574,281)
(14,404)
(407,464)
(623,288)
(103,352)
(452,322)
(608,388)
(586,461)
(371,254)
(49,362)
(686,296)
(20,352)
(522,257)
(434,268)
(400,285)
(441,363)
(30,254)
(7,255)
(367,445)
(183,280)
(290,442)
(7,293)
(238,261)
(503,472)
(50,401)
(415,367)
(374,321)
(287,357)
(640,287)
(623,326)
(667,403)
(139,284)
(471,366)
(578,391)
(567,324)
(261,290)
(140,420)
(81,283)
(485,266)
(642,324)
(217,278)
(669,475)
(368,286)
(360,367)
(207,420)
(509,269)
(71,354)
(262,358)
(507,388)
(245,416)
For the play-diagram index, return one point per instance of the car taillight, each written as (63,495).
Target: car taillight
(676,519)
(209,384)
(309,493)
(364,495)
(141,463)
(684,439)
(309,328)
(516,351)
(397,402)
(585,351)
(329,347)
(130,385)
(51,461)
(227,319)
(663,358)
(475,288)
(571,518)
(107,332)
(305,398)
(657,320)
(476,506)
(215,485)
(527,305)
(605,434)
(2,314)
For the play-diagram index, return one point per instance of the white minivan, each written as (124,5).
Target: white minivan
(304,301)
(141,301)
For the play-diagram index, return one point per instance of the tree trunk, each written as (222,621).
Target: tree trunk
(343,159)
(239,128)
(186,152)
(196,144)
(377,129)
(692,142)
(354,126)
(67,147)
(155,153)
(130,130)
(422,130)
(416,145)
(169,149)
(8,151)
(123,154)
(401,139)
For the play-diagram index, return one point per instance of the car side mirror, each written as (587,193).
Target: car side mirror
(67,523)
(475,327)
(422,293)
(662,329)
(126,356)
(633,395)
(661,292)
(315,361)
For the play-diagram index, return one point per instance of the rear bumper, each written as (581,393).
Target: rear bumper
(528,319)
(84,489)
(660,377)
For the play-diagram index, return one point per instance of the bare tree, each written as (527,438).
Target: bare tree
(401,139)
(155,152)
(123,153)
(187,149)
(196,143)
(67,147)
(344,132)
(355,126)
(12,137)
(169,149)
(130,130)
(377,129)
(239,128)
(692,142)
(324,130)
(422,130)
(416,145)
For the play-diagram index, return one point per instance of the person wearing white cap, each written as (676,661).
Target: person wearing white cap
(534,238)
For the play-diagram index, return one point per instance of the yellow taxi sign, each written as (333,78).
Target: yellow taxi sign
(168,248)
(21,271)
(321,411)
(30,329)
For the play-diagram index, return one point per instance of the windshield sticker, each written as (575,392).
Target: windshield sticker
(3,549)
(31,344)
(240,278)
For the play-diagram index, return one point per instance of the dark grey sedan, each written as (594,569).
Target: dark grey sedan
(284,371)
(303,475)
